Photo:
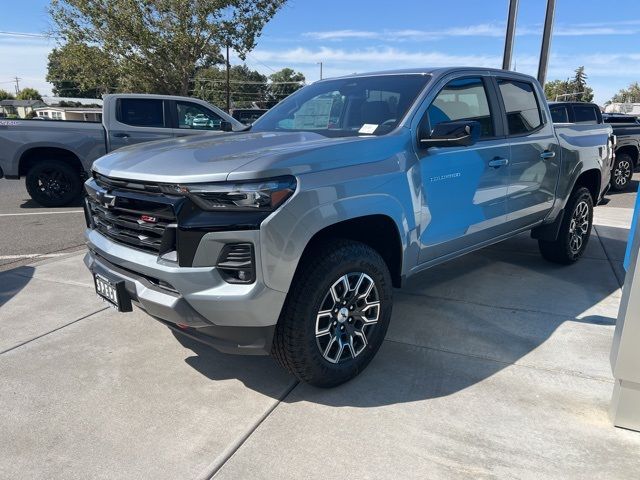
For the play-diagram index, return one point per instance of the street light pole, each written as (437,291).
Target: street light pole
(546,41)
(509,37)
(320,63)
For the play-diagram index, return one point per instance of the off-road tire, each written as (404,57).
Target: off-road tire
(53,184)
(295,346)
(622,172)
(562,250)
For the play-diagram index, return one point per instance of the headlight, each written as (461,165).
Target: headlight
(263,195)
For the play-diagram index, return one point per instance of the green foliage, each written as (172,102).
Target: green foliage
(284,83)
(630,94)
(78,70)
(159,45)
(574,90)
(4,95)
(31,114)
(29,94)
(246,86)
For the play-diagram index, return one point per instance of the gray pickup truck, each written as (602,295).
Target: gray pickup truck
(55,156)
(289,238)
(625,128)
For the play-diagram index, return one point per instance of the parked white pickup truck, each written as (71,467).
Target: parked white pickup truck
(55,156)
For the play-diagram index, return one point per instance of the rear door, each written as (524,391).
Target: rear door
(464,188)
(139,120)
(533,152)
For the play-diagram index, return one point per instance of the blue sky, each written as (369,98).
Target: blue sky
(357,36)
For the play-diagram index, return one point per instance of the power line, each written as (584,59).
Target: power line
(23,34)
(263,64)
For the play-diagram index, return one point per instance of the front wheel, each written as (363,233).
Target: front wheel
(622,172)
(336,314)
(574,232)
(53,184)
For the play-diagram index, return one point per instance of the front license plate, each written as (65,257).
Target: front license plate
(112,292)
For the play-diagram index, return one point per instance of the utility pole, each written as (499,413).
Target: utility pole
(511,29)
(228,82)
(320,63)
(546,41)
(17,80)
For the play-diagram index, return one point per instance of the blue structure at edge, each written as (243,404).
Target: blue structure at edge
(634,224)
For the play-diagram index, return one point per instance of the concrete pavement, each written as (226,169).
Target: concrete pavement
(495,366)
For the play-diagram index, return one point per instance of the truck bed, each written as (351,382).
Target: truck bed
(84,139)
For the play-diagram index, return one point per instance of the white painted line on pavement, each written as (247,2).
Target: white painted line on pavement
(39,213)
(33,255)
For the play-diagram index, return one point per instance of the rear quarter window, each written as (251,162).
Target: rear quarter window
(521,105)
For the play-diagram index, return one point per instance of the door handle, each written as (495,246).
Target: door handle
(121,135)
(547,154)
(498,162)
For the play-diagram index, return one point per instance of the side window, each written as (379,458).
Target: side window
(523,113)
(194,116)
(585,114)
(462,99)
(141,112)
(559,115)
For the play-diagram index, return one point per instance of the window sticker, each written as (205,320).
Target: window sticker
(313,115)
(368,128)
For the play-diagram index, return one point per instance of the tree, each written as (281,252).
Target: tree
(29,94)
(584,92)
(283,83)
(556,89)
(4,95)
(630,94)
(575,89)
(247,86)
(79,70)
(159,45)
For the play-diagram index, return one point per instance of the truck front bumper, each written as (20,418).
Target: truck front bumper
(195,301)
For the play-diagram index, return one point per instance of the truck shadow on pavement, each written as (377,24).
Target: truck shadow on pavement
(31,204)
(464,321)
(11,284)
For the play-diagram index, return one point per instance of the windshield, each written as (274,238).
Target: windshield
(346,107)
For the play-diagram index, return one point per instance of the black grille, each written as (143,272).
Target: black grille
(136,186)
(135,222)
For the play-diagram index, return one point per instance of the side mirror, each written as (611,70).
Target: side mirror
(226,126)
(461,133)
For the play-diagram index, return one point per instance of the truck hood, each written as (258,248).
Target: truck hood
(242,156)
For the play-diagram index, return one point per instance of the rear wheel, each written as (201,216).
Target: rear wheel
(622,172)
(336,315)
(53,184)
(575,230)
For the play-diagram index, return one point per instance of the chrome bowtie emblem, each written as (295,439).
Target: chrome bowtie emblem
(106,200)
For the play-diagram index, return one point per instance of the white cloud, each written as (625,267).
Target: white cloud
(497,30)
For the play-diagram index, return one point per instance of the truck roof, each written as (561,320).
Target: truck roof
(437,71)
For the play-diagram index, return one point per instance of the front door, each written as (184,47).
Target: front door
(464,188)
(194,119)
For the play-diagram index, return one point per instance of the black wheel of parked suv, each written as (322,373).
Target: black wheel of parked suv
(336,315)
(575,230)
(622,172)
(53,184)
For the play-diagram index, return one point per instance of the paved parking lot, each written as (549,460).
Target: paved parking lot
(28,230)
(495,365)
